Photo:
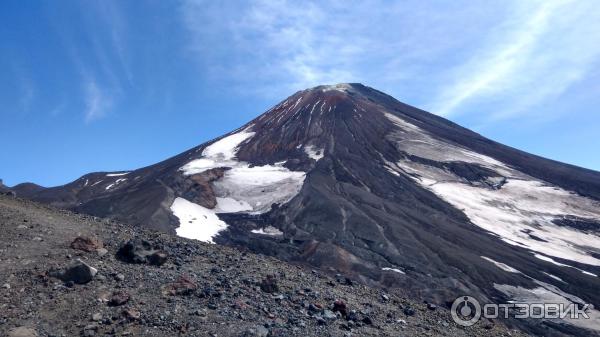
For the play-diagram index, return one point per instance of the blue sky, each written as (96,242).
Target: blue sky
(113,85)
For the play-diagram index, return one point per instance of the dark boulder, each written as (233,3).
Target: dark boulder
(78,273)
(142,251)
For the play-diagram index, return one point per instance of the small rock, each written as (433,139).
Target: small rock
(340,306)
(385,297)
(431,306)
(86,244)
(6,286)
(120,277)
(157,258)
(132,314)
(408,311)
(22,332)
(22,227)
(330,315)
(119,298)
(96,317)
(102,251)
(256,331)
(37,238)
(269,284)
(183,286)
(90,330)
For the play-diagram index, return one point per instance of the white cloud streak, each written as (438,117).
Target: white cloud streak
(97,103)
(543,49)
(495,59)
(279,46)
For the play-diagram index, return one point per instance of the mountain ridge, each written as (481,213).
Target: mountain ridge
(348,179)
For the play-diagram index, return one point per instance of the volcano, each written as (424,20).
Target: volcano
(348,179)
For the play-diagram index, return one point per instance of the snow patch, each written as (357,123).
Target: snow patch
(117,182)
(554,277)
(501,265)
(269,230)
(341,87)
(548,293)
(547,259)
(522,208)
(260,186)
(394,270)
(219,154)
(230,205)
(117,174)
(313,152)
(196,222)
(245,188)
(416,141)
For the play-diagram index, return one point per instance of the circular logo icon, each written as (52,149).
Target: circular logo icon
(465,311)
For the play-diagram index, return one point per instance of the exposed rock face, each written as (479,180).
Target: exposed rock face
(358,183)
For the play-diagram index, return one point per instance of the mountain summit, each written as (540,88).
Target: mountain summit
(348,179)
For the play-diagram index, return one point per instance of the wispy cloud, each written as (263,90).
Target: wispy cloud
(543,49)
(103,63)
(449,57)
(276,47)
(97,102)
(25,86)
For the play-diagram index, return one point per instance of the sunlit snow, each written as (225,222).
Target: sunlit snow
(520,212)
(245,188)
(547,293)
(395,270)
(117,174)
(196,222)
(269,230)
(502,266)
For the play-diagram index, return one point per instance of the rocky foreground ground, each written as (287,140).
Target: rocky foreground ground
(65,274)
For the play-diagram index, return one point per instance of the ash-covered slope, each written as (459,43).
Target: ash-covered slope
(347,178)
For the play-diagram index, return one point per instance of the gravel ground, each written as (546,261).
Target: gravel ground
(202,289)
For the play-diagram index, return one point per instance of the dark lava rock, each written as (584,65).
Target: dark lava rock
(86,244)
(431,306)
(408,311)
(269,284)
(119,298)
(79,273)
(341,307)
(142,251)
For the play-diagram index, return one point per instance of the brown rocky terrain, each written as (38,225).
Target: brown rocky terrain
(163,285)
